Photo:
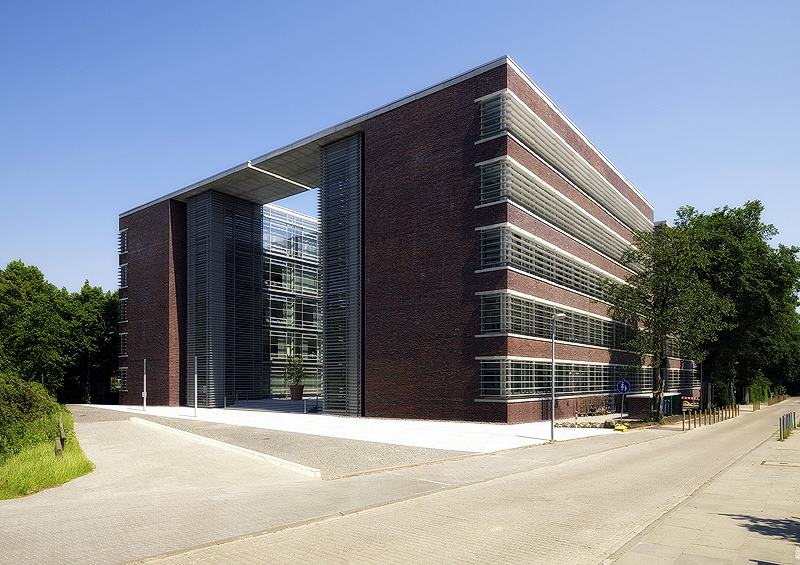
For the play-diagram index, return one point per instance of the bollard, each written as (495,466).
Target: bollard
(62,435)
(683,421)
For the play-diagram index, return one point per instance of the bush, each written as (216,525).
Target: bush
(28,415)
(759,389)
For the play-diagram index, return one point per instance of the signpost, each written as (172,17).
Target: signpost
(623,386)
(195,386)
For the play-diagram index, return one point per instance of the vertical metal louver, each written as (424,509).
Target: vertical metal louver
(224,299)
(340,212)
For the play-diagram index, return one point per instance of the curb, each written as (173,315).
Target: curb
(284,464)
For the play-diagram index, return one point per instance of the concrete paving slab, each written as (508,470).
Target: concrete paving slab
(333,457)
(570,502)
(451,436)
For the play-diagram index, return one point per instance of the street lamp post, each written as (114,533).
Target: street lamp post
(557,316)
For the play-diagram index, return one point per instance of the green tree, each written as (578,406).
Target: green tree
(32,330)
(93,318)
(762,333)
(665,298)
(48,335)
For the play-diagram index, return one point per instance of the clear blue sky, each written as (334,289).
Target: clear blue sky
(107,105)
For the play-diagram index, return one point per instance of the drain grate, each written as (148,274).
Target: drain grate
(779,464)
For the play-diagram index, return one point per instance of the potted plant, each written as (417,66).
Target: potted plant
(294,375)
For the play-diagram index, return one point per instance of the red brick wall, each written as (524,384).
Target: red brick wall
(421,252)
(156,295)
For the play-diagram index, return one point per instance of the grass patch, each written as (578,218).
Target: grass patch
(37,467)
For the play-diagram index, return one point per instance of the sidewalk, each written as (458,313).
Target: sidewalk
(623,505)
(748,513)
(157,493)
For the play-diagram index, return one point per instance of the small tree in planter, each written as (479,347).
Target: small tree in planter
(294,375)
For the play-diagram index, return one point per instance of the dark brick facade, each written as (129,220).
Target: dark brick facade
(422,251)
(156,295)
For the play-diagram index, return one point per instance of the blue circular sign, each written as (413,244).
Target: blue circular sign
(623,386)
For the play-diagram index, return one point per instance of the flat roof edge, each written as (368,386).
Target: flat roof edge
(361,118)
(577,130)
(353,123)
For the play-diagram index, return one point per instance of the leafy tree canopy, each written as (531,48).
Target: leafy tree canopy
(665,298)
(48,334)
(761,334)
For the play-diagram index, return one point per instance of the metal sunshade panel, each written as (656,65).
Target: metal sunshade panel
(224,299)
(340,207)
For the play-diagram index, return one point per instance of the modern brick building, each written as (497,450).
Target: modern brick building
(454,223)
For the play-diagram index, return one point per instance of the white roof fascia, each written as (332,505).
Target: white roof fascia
(564,117)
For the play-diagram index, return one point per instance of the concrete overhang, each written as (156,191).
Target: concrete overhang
(295,168)
(284,172)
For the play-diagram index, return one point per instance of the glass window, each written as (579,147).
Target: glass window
(123,241)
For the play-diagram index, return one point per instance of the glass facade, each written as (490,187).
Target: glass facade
(292,325)
(504,313)
(508,378)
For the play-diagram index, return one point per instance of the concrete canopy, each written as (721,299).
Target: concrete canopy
(281,173)
(295,168)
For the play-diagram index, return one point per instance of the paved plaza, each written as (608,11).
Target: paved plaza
(172,489)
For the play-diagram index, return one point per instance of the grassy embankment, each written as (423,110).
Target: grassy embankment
(28,428)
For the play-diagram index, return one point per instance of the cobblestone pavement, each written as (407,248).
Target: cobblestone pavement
(159,497)
(701,497)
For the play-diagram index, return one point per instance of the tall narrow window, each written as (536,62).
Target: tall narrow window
(123,275)
(123,379)
(123,345)
(122,240)
(123,310)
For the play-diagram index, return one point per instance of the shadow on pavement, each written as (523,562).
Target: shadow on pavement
(787,529)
